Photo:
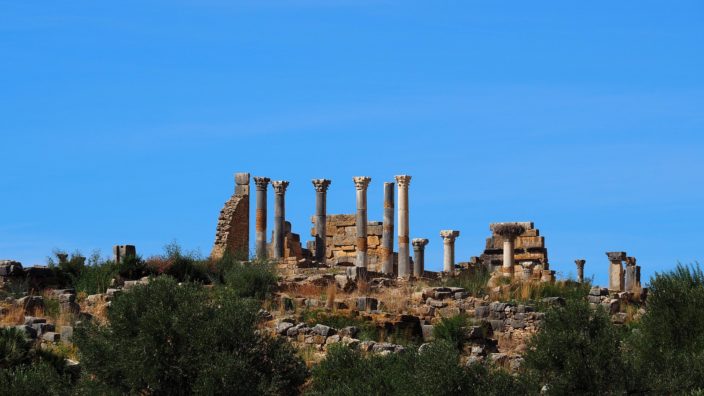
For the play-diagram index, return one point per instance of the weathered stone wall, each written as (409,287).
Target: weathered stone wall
(341,240)
(232,232)
(528,247)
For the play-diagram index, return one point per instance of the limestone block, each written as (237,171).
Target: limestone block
(344,240)
(529,242)
(373,241)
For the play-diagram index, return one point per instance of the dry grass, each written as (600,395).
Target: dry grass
(396,299)
(331,293)
(13,317)
(308,290)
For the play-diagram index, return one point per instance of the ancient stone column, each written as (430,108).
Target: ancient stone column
(419,256)
(404,254)
(261,185)
(119,252)
(361,183)
(616,270)
(630,274)
(387,236)
(509,232)
(279,217)
(321,189)
(449,237)
(580,270)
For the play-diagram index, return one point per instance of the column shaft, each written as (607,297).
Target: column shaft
(361,184)
(449,237)
(261,184)
(387,237)
(404,259)
(279,218)
(419,256)
(507,267)
(321,186)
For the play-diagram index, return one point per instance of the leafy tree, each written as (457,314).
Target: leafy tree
(577,352)
(166,339)
(453,330)
(434,370)
(667,348)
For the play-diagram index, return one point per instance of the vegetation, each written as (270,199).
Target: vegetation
(175,340)
(667,347)
(452,330)
(26,370)
(577,352)
(474,282)
(367,331)
(434,370)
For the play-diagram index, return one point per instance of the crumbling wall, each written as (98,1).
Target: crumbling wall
(529,247)
(232,231)
(341,241)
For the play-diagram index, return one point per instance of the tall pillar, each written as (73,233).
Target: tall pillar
(419,256)
(616,270)
(387,236)
(279,217)
(321,188)
(509,232)
(449,237)
(580,270)
(361,183)
(404,254)
(630,274)
(261,185)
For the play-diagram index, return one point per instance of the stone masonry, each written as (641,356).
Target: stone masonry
(341,240)
(232,232)
(529,251)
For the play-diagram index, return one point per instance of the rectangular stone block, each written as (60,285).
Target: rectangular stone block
(529,242)
(344,240)
(341,220)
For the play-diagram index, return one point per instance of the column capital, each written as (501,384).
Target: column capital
(419,242)
(361,182)
(261,183)
(280,186)
(242,178)
(509,230)
(321,185)
(630,261)
(580,263)
(403,180)
(449,235)
(616,257)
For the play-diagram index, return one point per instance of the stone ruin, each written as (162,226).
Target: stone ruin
(518,250)
(515,249)
(232,233)
(620,279)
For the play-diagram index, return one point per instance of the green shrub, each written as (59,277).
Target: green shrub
(166,339)
(434,371)
(577,351)
(14,347)
(254,280)
(95,278)
(132,267)
(452,330)
(36,379)
(667,349)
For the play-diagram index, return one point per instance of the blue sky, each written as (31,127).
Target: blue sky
(123,122)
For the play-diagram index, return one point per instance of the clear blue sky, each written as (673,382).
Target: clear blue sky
(123,122)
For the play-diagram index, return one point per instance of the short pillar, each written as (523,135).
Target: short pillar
(404,254)
(321,188)
(279,217)
(387,237)
(630,274)
(449,237)
(580,270)
(527,270)
(616,270)
(119,252)
(509,232)
(361,184)
(261,185)
(419,256)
